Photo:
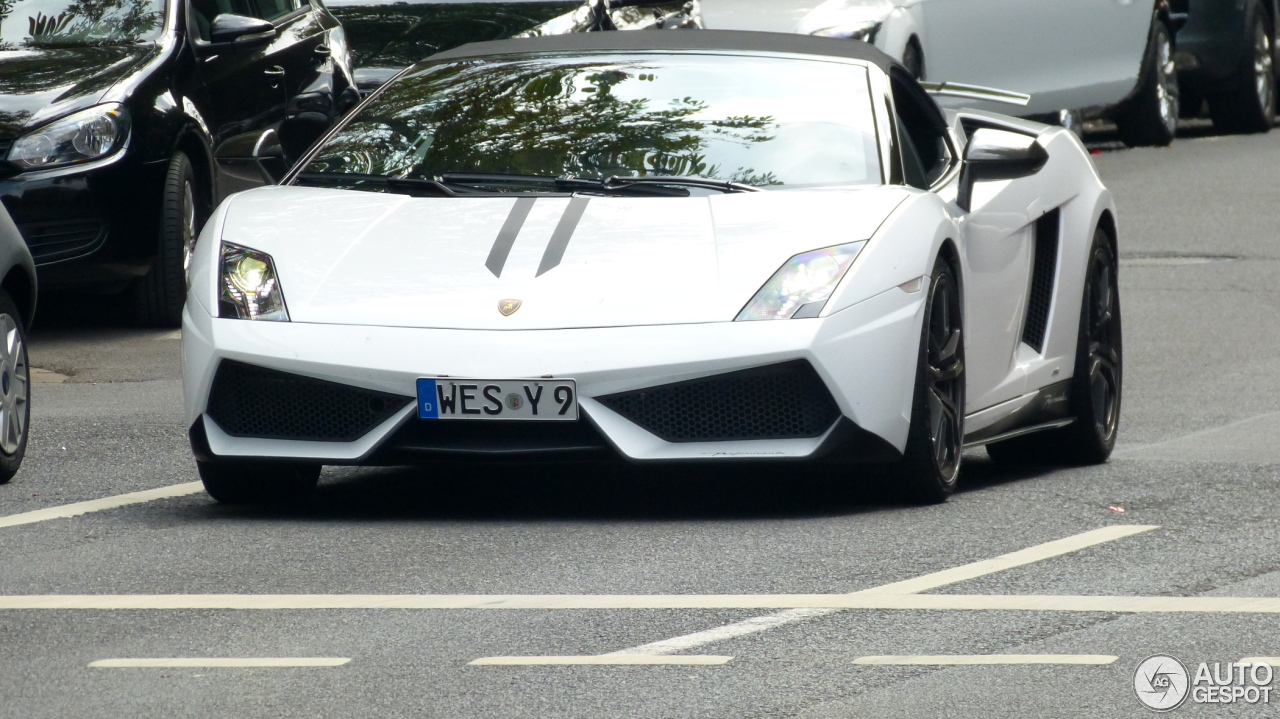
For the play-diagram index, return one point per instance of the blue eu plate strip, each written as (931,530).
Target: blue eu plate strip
(427,406)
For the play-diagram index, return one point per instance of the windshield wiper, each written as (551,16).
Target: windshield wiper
(721,185)
(406,186)
(564,183)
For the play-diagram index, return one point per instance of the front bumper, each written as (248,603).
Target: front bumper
(865,355)
(94,223)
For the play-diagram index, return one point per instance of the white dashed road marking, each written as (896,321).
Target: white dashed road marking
(214,662)
(97,505)
(602,660)
(985,659)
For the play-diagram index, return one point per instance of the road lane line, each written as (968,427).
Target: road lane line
(945,660)
(1022,557)
(602,660)
(934,580)
(806,604)
(1273,661)
(212,662)
(98,505)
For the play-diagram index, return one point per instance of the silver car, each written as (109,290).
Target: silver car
(1077,59)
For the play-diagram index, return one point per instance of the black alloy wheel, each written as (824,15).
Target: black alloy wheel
(930,466)
(160,294)
(258,481)
(1150,117)
(1249,105)
(15,389)
(1097,382)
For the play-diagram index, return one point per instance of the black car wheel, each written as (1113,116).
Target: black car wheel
(161,293)
(1249,106)
(258,482)
(930,466)
(1151,115)
(1096,385)
(15,389)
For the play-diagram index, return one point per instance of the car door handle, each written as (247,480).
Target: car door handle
(323,50)
(274,74)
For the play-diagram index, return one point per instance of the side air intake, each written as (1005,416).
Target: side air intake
(1044,268)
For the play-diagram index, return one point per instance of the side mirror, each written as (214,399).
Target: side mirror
(241,30)
(298,132)
(998,155)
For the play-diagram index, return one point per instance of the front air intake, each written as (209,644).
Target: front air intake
(782,401)
(251,401)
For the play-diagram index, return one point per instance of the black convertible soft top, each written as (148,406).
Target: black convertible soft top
(637,40)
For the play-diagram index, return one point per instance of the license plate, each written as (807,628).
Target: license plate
(521,399)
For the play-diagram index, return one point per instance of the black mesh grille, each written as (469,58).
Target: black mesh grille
(1043,270)
(776,402)
(62,239)
(249,401)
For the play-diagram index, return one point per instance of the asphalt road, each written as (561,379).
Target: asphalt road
(1196,474)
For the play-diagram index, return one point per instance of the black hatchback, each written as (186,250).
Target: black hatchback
(111,115)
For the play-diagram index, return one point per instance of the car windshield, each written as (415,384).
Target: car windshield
(761,121)
(70,23)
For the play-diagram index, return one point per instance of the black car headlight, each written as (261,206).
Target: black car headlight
(78,137)
(249,286)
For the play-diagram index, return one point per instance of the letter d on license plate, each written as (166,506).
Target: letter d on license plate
(520,399)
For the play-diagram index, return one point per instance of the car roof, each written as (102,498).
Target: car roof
(676,40)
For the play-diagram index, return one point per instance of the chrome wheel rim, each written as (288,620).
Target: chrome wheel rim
(1262,64)
(1167,84)
(188,225)
(14,382)
(1104,346)
(945,384)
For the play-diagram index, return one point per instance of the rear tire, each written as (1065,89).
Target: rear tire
(258,482)
(1096,384)
(930,465)
(160,294)
(15,389)
(1249,106)
(1151,116)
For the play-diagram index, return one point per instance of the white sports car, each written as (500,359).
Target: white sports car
(704,246)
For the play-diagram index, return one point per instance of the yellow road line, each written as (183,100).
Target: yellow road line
(1273,661)
(604,660)
(984,659)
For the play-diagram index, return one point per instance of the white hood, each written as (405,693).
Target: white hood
(348,257)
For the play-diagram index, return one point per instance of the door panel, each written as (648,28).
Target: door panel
(998,237)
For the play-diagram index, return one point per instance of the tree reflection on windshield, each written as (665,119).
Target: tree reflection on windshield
(73,23)
(728,119)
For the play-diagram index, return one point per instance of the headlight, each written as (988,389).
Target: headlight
(803,285)
(250,286)
(852,31)
(85,135)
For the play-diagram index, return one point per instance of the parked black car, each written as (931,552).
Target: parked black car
(387,36)
(111,112)
(1226,56)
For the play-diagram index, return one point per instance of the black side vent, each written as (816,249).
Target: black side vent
(1043,270)
(781,401)
(62,239)
(250,401)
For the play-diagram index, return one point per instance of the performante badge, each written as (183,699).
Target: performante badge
(508,307)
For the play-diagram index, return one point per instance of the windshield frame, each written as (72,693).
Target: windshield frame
(876,80)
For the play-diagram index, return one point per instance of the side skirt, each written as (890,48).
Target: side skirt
(1050,409)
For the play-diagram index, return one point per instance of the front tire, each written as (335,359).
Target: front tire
(1096,385)
(1151,116)
(258,482)
(160,294)
(930,465)
(15,389)
(1249,106)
